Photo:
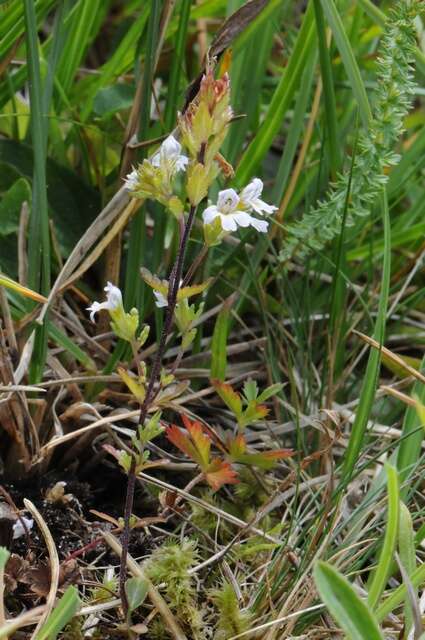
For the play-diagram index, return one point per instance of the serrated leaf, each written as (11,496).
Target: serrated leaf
(219,473)
(263,459)
(272,390)
(192,290)
(250,389)
(197,445)
(136,388)
(230,397)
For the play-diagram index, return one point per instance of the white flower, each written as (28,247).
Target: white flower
(18,527)
(113,301)
(160,299)
(229,210)
(169,156)
(250,198)
(132,180)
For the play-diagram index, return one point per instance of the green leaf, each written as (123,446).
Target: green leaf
(349,60)
(111,99)
(280,103)
(219,344)
(4,557)
(406,545)
(11,205)
(272,390)
(370,379)
(381,575)
(64,611)
(136,590)
(398,595)
(74,204)
(349,610)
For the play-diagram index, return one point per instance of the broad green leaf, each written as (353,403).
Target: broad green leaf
(111,99)
(63,613)
(11,205)
(4,557)
(73,203)
(136,590)
(349,610)
(219,345)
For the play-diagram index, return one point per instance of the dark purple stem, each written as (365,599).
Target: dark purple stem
(173,289)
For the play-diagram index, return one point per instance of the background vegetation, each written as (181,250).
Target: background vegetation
(330,306)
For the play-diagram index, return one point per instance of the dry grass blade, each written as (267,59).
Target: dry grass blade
(391,356)
(74,434)
(112,210)
(155,597)
(54,564)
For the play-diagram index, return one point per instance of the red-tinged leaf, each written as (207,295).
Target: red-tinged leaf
(220,473)
(229,396)
(201,441)
(182,442)
(236,446)
(252,413)
(197,446)
(278,454)
(264,459)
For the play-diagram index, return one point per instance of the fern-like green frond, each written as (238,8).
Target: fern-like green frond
(375,147)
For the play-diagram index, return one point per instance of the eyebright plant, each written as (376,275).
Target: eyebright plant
(178,176)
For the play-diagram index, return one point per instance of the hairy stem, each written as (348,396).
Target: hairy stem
(173,288)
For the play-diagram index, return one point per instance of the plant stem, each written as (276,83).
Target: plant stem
(129,499)
(173,288)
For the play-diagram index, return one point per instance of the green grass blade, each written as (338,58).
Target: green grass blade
(406,545)
(133,283)
(382,572)
(370,380)
(398,595)
(328,91)
(296,129)
(39,245)
(349,610)
(176,73)
(79,36)
(349,60)
(219,344)
(280,102)
(409,450)
(64,611)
